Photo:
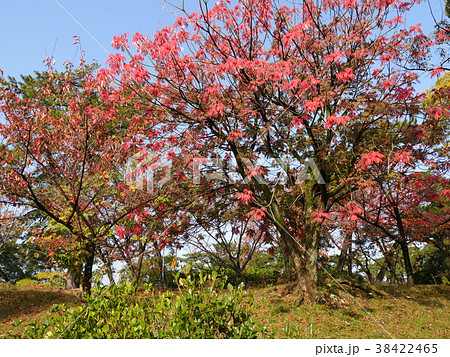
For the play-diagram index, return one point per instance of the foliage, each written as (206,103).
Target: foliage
(19,258)
(203,308)
(276,92)
(277,125)
(420,312)
(22,260)
(264,269)
(431,264)
(151,272)
(49,278)
(65,156)
(27,281)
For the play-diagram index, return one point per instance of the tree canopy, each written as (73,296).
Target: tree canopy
(274,123)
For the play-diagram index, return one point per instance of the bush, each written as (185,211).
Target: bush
(27,281)
(45,278)
(201,309)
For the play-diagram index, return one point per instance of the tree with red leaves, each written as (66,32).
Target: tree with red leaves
(320,84)
(63,153)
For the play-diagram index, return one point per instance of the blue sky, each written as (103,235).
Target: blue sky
(30,30)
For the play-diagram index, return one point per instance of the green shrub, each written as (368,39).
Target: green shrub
(202,308)
(45,278)
(27,281)
(51,278)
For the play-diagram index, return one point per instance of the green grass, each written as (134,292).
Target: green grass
(21,305)
(420,312)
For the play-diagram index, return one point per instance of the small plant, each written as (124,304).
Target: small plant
(203,308)
(44,278)
(26,282)
(52,278)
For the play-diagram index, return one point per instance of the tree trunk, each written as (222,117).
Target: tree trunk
(107,263)
(368,272)
(344,251)
(160,264)
(387,264)
(142,247)
(73,279)
(404,247)
(381,273)
(408,266)
(312,237)
(3,275)
(303,253)
(349,259)
(304,256)
(88,267)
(110,274)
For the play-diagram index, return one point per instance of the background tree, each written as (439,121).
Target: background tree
(63,153)
(227,233)
(19,258)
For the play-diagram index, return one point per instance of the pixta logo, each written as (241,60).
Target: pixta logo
(148,171)
(141,168)
(217,169)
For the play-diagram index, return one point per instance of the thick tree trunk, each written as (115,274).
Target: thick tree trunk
(312,237)
(408,266)
(303,252)
(304,256)
(88,267)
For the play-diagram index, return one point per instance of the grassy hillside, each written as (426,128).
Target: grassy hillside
(421,312)
(21,305)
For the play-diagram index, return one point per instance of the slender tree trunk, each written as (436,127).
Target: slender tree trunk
(365,268)
(381,273)
(88,267)
(388,263)
(160,265)
(408,266)
(110,274)
(392,276)
(107,263)
(404,247)
(140,261)
(344,251)
(73,279)
(368,272)
(349,259)
(3,275)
